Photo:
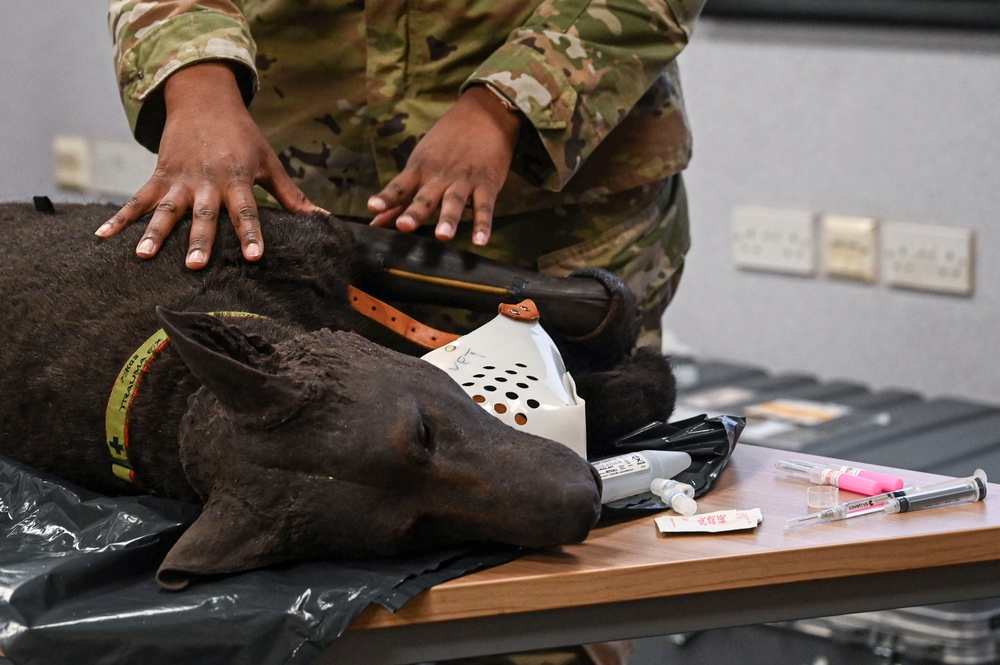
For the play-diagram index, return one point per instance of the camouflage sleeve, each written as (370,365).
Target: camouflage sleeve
(577,67)
(152,40)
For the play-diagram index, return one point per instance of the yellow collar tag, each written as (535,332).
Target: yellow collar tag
(123,394)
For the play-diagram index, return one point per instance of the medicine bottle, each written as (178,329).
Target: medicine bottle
(630,474)
(679,496)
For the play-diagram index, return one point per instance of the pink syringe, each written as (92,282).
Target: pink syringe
(824,475)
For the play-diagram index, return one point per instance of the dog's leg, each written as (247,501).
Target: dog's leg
(591,314)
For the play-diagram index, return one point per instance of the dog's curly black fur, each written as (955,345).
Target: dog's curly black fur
(641,384)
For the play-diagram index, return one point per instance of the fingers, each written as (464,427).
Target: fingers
(438,195)
(204,224)
(165,217)
(451,165)
(452,206)
(386,218)
(140,204)
(169,207)
(422,207)
(398,193)
(482,219)
(243,214)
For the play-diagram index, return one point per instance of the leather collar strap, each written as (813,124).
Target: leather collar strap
(397,321)
(116,418)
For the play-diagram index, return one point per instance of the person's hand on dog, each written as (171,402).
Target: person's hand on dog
(462,161)
(211,155)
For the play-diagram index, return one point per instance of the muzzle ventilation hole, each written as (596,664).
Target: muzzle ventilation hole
(499,406)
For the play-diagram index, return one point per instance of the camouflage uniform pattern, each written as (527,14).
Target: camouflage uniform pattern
(344,89)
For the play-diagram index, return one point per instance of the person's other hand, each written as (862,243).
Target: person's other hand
(463,160)
(211,155)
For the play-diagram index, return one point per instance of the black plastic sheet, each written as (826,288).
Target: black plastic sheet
(77,585)
(77,572)
(709,441)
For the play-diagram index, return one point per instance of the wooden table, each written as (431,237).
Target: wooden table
(627,580)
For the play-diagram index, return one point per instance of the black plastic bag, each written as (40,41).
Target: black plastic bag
(709,441)
(77,585)
(77,573)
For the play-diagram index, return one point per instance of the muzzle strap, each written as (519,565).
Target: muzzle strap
(398,322)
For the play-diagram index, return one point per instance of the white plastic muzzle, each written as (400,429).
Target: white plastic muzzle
(512,368)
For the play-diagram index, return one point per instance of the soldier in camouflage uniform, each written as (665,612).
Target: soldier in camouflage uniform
(555,128)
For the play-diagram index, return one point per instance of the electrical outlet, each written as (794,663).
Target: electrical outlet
(71,162)
(849,247)
(774,239)
(928,258)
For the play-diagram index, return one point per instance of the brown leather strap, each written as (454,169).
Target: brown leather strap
(397,321)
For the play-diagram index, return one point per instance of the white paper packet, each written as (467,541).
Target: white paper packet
(723,520)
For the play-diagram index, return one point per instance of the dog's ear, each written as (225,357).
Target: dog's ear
(226,538)
(231,365)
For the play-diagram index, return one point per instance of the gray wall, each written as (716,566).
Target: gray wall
(896,124)
(56,78)
(891,123)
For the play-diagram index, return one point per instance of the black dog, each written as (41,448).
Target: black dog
(300,435)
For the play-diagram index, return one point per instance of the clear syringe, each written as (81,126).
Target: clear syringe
(954,490)
(960,490)
(848,509)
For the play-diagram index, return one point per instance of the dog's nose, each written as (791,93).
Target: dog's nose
(582,500)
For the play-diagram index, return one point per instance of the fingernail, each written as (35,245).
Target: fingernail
(376,204)
(445,231)
(480,238)
(404,220)
(196,256)
(104,230)
(145,248)
(253,251)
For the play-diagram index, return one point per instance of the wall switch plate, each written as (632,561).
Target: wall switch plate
(850,247)
(928,257)
(774,239)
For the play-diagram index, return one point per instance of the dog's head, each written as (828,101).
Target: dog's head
(327,445)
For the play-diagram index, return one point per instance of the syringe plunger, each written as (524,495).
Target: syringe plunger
(960,490)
